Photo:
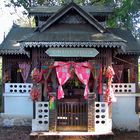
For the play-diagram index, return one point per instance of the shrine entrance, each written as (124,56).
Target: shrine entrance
(72,108)
(72,115)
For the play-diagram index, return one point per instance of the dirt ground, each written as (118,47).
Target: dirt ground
(22,133)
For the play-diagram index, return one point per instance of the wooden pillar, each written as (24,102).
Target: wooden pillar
(91,109)
(34,58)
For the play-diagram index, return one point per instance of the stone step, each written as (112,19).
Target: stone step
(70,136)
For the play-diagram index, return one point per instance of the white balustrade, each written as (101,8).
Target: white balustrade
(41,121)
(124,87)
(18,87)
(102,121)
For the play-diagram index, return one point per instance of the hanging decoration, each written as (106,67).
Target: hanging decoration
(36,75)
(25,69)
(82,71)
(64,71)
(35,93)
(63,74)
(97,74)
(52,102)
(118,69)
(100,85)
(109,94)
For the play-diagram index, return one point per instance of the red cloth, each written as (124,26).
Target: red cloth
(100,87)
(37,75)
(34,93)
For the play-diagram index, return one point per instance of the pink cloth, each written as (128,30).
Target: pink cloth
(100,87)
(63,74)
(25,69)
(82,71)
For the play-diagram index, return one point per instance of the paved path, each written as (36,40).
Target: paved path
(15,133)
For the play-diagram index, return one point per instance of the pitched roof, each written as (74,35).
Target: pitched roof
(10,45)
(72,6)
(72,33)
(132,45)
(92,9)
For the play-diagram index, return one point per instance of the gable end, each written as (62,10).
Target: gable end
(65,10)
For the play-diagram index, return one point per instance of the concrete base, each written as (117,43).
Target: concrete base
(71,136)
(10,120)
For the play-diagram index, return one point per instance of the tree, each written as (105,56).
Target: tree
(126,15)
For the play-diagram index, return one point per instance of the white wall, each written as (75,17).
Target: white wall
(124,115)
(18,105)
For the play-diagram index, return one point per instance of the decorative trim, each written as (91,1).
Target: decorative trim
(16,52)
(73,19)
(75,44)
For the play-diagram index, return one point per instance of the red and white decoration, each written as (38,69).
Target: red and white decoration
(63,70)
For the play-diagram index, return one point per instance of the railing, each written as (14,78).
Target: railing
(102,120)
(18,87)
(41,121)
(72,116)
(124,87)
(26,87)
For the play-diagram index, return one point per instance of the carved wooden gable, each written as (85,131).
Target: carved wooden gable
(72,14)
(72,18)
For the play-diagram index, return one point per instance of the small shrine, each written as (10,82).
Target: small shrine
(64,73)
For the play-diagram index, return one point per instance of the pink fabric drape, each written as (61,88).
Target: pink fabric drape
(25,69)
(63,74)
(82,71)
(100,84)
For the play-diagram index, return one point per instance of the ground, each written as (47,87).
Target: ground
(22,133)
